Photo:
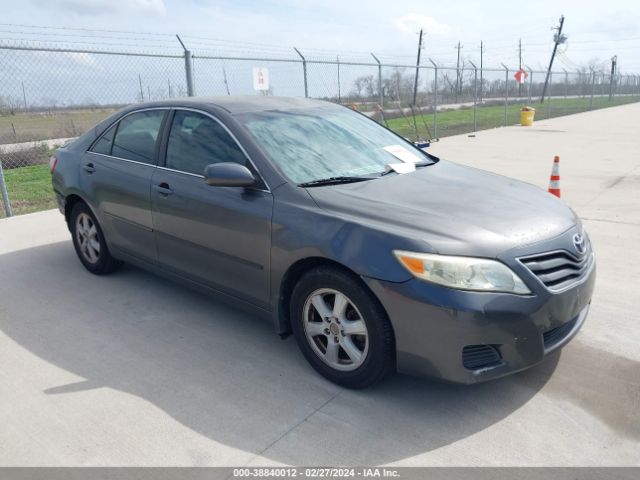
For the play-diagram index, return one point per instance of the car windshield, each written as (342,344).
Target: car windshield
(319,143)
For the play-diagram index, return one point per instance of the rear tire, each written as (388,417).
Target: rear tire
(341,328)
(89,242)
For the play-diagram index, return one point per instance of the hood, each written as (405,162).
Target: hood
(456,210)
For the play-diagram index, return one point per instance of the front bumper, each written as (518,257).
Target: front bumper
(433,324)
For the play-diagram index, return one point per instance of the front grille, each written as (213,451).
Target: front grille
(558,270)
(557,334)
(480,356)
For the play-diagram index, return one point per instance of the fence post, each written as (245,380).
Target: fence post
(530,82)
(579,85)
(188,67)
(338,65)
(189,72)
(475,94)
(5,195)
(435,98)
(506,91)
(610,87)
(612,78)
(304,72)
(593,87)
(380,93)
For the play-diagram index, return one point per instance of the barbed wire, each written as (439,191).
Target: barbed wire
(16,35)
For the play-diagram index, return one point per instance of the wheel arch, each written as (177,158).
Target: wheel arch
(293,275)
(71,201)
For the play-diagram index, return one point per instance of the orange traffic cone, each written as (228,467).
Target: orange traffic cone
(554,181)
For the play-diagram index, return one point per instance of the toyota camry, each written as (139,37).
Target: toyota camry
(376,255)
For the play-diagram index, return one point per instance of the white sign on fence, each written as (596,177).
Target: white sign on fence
(260,78)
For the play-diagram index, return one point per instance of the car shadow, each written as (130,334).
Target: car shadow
(226,375)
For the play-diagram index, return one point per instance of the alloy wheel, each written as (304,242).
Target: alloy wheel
(335,329)
(87,237)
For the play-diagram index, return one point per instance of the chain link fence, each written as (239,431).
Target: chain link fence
(51,95)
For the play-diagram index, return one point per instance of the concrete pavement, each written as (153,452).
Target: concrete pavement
(131,369)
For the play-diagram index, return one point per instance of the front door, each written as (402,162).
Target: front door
(217,236)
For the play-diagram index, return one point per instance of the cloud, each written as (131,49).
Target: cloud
(412,22)
(102,7)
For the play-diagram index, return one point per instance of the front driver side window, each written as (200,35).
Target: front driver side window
(196,140)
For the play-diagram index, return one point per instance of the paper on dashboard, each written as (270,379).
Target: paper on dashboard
(402,153)
(404,167)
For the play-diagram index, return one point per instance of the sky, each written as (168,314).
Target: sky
(350,29)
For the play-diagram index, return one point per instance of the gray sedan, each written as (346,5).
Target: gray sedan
(376,255)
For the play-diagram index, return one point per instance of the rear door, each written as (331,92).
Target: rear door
(116,176)
(217,236)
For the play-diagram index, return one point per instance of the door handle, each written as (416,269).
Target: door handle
(163,189)
(89,168)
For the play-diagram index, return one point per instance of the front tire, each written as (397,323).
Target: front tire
(341,328)
(89,242)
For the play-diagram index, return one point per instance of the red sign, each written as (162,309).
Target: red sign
(521,76)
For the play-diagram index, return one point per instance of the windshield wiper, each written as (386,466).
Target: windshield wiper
(333,181)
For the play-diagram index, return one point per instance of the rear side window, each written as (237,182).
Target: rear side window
(136,136)
(103,145)
(196,141)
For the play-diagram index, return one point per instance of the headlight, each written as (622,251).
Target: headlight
(466,273)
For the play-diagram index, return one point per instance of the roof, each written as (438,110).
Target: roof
(246,103)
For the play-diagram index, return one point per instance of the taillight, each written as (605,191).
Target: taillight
(53,163)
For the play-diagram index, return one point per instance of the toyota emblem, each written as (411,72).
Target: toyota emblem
(580,243)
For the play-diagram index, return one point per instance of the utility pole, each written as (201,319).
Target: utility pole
(481,80)
(458,86)
(519,66)
(614,61)
(559,38)
(520,54)
(415,83)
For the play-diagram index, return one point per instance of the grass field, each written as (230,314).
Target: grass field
(454,122)
(29,187)
(26,127)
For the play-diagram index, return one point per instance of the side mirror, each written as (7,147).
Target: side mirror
(228,174)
